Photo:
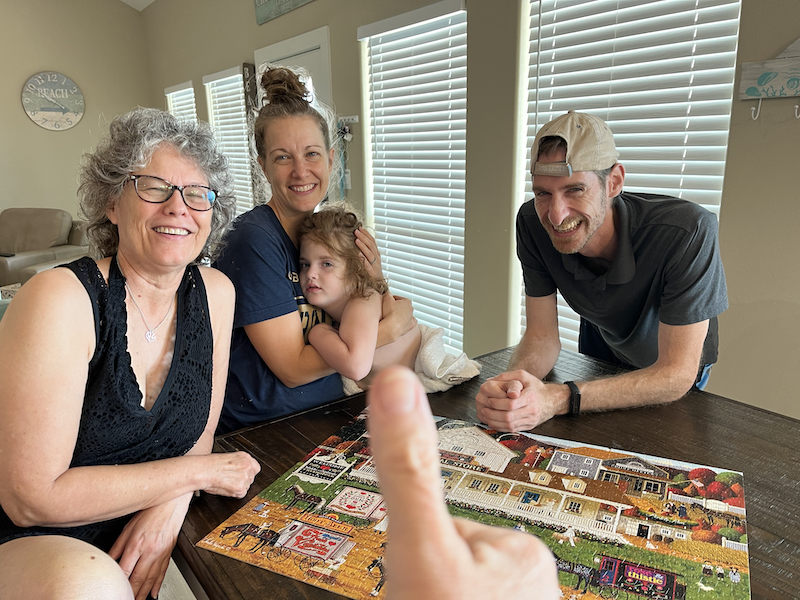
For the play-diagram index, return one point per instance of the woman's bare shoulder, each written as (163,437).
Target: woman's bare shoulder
(219,288)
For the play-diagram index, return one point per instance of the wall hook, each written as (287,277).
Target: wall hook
(797,111)
(753,112)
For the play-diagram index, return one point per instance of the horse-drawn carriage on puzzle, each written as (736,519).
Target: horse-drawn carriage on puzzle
(624,580)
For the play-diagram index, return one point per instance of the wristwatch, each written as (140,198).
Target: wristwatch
(574,398)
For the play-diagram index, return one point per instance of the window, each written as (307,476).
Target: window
(228,117)
(659,72)
(417,72)
(475,484)
(493,487)
(584,473)
(652,487)
(529,497)
(180,100)
(573,507)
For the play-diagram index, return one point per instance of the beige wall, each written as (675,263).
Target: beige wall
(99,45)
(126,58)
(759,222)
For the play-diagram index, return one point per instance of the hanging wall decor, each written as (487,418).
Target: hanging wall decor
(267,10)
(776,78)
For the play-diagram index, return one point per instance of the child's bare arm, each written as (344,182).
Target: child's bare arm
(350,351)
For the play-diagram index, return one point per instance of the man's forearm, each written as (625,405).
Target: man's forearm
(534,355)
(652,385)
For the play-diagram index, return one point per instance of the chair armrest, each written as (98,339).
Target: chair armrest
(10,266)
(32,270)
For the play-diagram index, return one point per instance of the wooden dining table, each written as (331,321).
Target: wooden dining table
(700,428)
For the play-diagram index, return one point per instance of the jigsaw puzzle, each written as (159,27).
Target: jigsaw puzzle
(620,524)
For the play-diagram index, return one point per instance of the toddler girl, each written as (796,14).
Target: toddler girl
(335,279)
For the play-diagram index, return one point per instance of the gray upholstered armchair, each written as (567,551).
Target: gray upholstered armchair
(32,239)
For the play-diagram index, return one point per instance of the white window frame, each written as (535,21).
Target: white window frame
(181,100)
(227,113)
(571,61)
(416,161)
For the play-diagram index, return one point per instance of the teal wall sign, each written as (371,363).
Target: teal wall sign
(269,9)
(776,78)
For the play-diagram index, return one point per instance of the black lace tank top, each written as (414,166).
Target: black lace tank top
(115,428)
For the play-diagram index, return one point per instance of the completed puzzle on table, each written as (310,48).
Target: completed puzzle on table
(620,524)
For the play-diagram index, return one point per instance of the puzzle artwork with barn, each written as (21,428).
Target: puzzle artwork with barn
(620,524)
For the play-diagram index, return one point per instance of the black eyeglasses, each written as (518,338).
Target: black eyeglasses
(157,191)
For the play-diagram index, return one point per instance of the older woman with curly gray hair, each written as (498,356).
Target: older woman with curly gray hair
(132,139)
(114,373)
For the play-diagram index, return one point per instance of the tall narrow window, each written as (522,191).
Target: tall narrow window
(180,100)
(659,72)
(417,91)
(227,115)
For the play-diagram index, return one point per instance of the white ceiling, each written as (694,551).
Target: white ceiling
(139,4)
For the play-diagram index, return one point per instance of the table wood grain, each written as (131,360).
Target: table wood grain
(701,428)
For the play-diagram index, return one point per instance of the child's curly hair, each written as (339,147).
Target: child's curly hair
(334,227)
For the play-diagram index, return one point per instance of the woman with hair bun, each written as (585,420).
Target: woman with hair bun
(273,371)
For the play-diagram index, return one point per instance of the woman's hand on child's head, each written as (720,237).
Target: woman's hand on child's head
(369,252)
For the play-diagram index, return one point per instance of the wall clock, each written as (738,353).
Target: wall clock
(52,101)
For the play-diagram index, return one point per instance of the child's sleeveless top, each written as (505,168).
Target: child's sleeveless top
(115,428)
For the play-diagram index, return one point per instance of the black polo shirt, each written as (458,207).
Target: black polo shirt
(667,269)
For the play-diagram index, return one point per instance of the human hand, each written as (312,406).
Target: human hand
(400,311)
(515,401)
(369,252)
(425,542)
(145,545)
(230,473)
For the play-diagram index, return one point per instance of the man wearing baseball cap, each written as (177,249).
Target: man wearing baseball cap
(642,270)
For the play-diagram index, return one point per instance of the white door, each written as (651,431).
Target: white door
(311,51)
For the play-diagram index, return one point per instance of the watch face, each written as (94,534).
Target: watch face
(52,101)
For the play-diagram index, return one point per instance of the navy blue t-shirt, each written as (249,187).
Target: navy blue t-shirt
(263,264)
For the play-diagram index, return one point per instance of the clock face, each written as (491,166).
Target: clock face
(52,101)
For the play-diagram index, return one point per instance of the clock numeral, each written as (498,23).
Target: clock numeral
(33,113)
(68,121)
(79,102)
(26,100)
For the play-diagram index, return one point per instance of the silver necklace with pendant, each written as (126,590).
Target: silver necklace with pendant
(150,334)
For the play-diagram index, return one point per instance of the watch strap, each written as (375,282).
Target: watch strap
(574,398)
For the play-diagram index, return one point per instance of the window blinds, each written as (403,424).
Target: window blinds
(659,72)
(226,109)
(180,101)
(417,102)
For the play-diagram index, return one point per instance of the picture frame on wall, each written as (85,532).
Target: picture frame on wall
(266,10)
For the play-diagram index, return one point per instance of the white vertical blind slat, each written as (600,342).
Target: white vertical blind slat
(229,119)
(182,104)
(417,103)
